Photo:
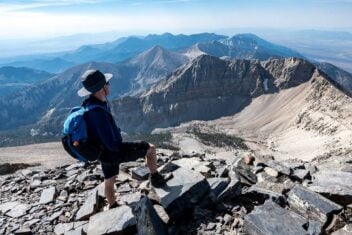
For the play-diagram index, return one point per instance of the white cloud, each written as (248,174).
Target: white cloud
(17,6)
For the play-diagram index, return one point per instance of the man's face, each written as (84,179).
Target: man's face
(107,89)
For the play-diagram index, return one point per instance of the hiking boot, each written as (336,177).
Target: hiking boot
(158,180)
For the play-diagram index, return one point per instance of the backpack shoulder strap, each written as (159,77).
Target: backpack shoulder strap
(93,106)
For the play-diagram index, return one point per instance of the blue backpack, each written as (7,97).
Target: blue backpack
(75,136)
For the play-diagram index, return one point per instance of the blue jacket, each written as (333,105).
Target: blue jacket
(102,129)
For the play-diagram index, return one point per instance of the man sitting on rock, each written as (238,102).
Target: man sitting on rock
(102,131)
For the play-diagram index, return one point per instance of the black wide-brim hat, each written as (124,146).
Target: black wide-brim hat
(93,81)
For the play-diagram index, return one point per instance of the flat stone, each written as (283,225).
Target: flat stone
(31,222)
(47,195)
(26,172)
(35,184)
(148,220)
(125,188)
(275,187)
(55,215)
(272,172)
(335,185)
(7,206)
(130,199)
(271,219)
(181,192)
(301,174)
(89,207)
(140,173)
(346,230)
(311,205)
(24,231)
(66,227)
(118,221)
(279,167)
(167,168)
(18,210)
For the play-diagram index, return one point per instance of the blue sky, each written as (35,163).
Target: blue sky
(51,18)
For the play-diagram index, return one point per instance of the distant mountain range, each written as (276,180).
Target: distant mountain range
(116,51)
(169,86)
(13,79)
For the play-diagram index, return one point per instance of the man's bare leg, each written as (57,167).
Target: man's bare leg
(110,190)
(151,159)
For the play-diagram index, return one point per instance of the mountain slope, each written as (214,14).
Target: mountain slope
(13,79)
(53,98)
(208,88)
(152,65)
(341,77)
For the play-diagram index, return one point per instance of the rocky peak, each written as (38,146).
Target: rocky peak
(157,56)
(289,72)
(208,88)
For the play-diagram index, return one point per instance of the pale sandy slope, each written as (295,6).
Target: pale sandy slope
(308,121)
(48,155)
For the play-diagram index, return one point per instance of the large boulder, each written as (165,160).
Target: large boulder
(271,219)
(312,205)
(119,221)
(182,192)
(335,185)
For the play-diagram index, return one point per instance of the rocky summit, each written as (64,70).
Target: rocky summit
(240,194)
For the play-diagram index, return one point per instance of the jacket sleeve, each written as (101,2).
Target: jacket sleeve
(104,129)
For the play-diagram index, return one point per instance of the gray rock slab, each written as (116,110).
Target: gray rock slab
(140,173)
(311,205)
(271,219)
(335,185)
(55,215)
(118,221)
(47,195)
(272,172)
(130,199)
(168,167)
(18,210)
(279,167)
(301,174)
(7,206)
(65,227)
(31,222)
(346,230)
(89,207)
(184,190)
(148,220)
(315,227)
(24,231)
(275,187)
(35,184)
(124,188)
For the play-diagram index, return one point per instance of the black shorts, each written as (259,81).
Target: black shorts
(129,151)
